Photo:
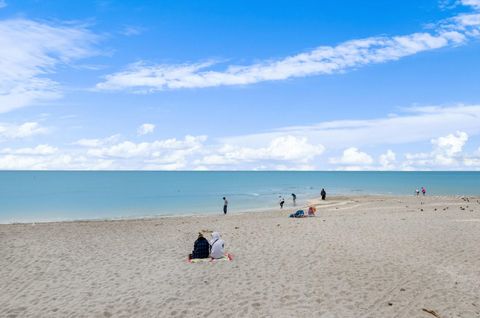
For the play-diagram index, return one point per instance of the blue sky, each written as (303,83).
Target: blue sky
(233,85)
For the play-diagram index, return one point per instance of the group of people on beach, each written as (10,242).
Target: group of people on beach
(281,200)
(424,191)
(202,248)
(215,248)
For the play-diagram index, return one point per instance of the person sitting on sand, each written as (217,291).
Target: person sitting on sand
(298,214)
(201,248)
(217,246)
(311,211)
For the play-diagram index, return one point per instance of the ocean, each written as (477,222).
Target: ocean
(36,196)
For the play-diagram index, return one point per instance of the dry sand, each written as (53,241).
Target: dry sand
(361,257)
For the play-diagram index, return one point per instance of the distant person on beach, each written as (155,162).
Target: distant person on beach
(323,193)
(201,248)
(282,202)
(225,205)
(424,191)
(417,192)
(217,246)
(294,199)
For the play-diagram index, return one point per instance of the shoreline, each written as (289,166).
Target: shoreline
(316,201)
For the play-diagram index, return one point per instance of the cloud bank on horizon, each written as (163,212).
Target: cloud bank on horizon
(33,52)
(291,148)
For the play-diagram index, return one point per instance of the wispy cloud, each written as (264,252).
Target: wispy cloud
(130,30)
(143,77)
(417,124)
(3,4)
(472,3)
(40,150)
(29,51)
(97,142)
(145,129)
(17,131)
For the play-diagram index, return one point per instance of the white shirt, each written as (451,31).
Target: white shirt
(218,247)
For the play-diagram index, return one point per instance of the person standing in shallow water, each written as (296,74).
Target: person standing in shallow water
(323,193)
(424,191)
(282,202)
(294,199)
(225,205)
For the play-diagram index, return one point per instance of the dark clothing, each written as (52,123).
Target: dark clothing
(225,209)
(323,194)
(298,214)
(201,248)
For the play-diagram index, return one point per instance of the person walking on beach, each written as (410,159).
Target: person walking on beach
(424,191)
(417,192)
(323,194)
(282,202)
(225,205)
(294,199)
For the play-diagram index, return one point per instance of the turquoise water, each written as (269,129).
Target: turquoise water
(57,195)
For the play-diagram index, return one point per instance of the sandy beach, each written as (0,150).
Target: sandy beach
(373,256)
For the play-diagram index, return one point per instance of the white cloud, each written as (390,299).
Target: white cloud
(353,156)
(29,51)
(415,125)
(57,161)
(40,150)
(323,60)
(446,153)
(387,160)
(143,77)
(95,142)
(145,129)
(3,4)
(14,131)
(473,3)
(284,148)
(452,144)
(157,149)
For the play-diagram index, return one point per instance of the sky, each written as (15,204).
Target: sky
(240,85)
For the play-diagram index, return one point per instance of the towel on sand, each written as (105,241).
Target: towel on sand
(226,257)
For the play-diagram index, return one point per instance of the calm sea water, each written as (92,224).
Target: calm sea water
(57,195)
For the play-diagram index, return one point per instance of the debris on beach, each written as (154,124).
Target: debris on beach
(431,312)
